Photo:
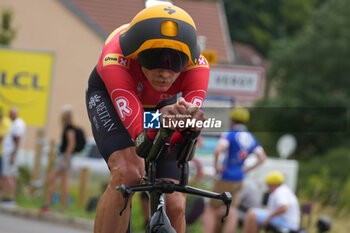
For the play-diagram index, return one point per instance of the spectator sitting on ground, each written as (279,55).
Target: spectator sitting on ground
(283,208)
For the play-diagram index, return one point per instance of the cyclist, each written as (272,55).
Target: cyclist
(283,208)
(143,66)
(238,143)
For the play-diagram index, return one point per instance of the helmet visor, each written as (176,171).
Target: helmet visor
(160,58)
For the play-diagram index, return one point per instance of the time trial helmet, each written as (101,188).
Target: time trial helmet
(161,36)
(240,114)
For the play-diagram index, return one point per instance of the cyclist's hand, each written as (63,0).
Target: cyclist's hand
(195,112)
(177,115)
(172,115)
(176,138)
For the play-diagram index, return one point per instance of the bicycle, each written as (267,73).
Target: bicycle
(157,188)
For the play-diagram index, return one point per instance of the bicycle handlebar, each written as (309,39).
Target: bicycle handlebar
(167,186)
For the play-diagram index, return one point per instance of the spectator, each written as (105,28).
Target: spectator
(63,161)
(283,208)
(238,143)
(250,196)
(5,124)
(12,142)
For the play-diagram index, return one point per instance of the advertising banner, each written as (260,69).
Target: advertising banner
(25,82)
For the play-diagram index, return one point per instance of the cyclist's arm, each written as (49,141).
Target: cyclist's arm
(195,82)
(120,86)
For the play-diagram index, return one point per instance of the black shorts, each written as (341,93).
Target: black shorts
(109,132)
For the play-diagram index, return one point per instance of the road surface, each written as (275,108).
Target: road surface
(14,224)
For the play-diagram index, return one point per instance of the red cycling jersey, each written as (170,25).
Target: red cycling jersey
(130,90)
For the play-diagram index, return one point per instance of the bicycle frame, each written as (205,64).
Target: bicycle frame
(157,188)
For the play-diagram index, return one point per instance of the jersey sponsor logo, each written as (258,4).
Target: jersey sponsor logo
(103,117)
(124,110)
(202,62)
(197,101)
(127,106)
(116,59)
(94,100)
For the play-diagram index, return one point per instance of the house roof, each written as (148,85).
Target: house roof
(247,55)
(104,16)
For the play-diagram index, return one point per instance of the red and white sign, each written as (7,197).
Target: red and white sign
(236,80)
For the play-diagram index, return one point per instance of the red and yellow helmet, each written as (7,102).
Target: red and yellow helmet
(161,27)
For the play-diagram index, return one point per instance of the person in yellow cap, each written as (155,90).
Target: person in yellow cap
(283,208)
(237,145)
(5,124)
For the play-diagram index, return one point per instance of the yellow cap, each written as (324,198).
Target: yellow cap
(274,177)
(240,114)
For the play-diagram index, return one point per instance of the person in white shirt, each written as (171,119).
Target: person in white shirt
(283,208)
(12,142)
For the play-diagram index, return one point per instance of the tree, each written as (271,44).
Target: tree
(260,22)
(311,70)
(7,32)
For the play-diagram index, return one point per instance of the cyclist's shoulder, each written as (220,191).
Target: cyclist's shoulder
(202,63)
(112,55)
(194,77)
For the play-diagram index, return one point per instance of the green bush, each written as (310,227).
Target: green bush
(325,178)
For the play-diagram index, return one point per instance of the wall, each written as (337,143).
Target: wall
(47,25)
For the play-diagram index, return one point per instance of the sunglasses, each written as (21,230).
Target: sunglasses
(163,58)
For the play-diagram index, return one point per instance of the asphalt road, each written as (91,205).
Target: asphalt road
(15,224)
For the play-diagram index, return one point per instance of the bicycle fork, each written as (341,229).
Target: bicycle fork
(158,215)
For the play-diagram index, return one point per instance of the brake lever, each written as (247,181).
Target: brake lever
(125,191)
(226,197)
